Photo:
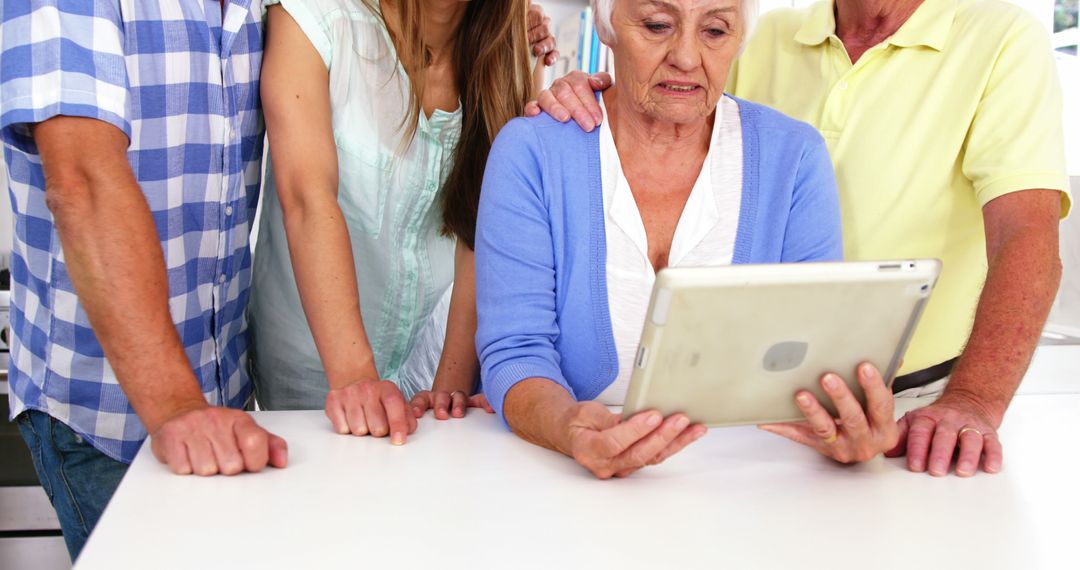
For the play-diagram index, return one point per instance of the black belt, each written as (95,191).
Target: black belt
(923,377)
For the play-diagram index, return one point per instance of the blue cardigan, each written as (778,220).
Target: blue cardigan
(541,284)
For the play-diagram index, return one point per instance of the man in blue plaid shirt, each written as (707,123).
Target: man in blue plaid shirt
(133,140)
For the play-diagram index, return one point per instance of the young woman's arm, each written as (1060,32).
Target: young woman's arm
(296,103)
(459,367)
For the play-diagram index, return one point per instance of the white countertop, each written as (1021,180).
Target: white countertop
(468,494)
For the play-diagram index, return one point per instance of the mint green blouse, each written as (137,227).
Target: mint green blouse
(387,192)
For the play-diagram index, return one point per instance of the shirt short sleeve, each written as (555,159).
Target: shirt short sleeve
(313,17)
(61,57)
(1016,140)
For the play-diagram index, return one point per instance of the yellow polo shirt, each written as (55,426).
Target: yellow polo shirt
(960,106)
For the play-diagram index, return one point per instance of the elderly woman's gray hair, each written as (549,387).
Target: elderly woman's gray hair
(602,13)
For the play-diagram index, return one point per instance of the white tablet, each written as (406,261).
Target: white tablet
(732,345)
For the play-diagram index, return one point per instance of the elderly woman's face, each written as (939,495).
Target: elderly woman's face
(672,56)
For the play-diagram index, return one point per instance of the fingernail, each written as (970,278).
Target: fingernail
(653,420)
(681,423)
(831,382)
(563,116)
(937,468)
(804,399)
(397,439)
(343,430)
(964,471)
(866,370)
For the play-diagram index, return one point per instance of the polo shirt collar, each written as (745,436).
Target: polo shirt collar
(819,25)
(928,26)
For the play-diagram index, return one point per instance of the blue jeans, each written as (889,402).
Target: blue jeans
(78,479)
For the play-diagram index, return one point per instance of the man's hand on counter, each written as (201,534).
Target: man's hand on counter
(370,407)
(209,440)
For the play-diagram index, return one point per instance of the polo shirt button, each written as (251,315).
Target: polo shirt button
(843,85)
(221,279)
(228,210)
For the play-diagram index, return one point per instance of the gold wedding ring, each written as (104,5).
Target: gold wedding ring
(961,432)
(831,438)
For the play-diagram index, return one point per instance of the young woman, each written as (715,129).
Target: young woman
(379,117)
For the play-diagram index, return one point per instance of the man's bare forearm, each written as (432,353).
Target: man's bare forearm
(1023,277)
(115,262)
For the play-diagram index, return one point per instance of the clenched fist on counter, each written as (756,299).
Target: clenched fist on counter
(210,440)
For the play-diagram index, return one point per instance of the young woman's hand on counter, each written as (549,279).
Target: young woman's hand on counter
(446,405)
(459,367)
(370,407)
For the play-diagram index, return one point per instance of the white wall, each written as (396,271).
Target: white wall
(1066,311)
(558,10)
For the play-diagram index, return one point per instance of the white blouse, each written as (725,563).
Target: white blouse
(705,234)
(388,192)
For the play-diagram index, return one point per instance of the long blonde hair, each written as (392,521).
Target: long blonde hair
(491,62)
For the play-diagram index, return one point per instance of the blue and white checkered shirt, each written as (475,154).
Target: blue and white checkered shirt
(182,82)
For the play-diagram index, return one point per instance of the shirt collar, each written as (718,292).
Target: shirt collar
(700,213)
(819,25)
(928,26)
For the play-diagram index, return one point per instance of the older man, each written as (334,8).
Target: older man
(943,119)
(133,142)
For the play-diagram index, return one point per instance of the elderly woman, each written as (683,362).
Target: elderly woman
(573,226)
(943,119)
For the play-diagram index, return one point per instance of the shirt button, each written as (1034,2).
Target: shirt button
(232,135)
(221,279)
(228,210)
(843,85)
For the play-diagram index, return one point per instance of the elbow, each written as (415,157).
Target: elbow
(67,193)
(292,206)
(1056,269)
(298,205)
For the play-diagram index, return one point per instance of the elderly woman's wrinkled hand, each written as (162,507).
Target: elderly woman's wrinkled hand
(572,96)
(857,435)
(609,447)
